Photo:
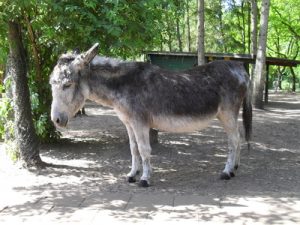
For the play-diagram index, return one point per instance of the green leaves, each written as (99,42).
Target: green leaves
(6,123)
(126,28)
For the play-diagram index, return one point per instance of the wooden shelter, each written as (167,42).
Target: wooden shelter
(186,60)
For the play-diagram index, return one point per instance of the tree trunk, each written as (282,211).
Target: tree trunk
(221,26)
(244,26)
(2,72)
(294,79)
(253,35)
(169,33)
(188,26)
(25,136)
(178,33)
(280,74)
(260,70)
(161,43)
(35,50)
(201,50)
(249,28)
(253,27)
(280,81)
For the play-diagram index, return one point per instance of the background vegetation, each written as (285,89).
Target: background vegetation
(127,28)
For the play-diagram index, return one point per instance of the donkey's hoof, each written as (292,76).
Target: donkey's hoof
(225,176)
(131,179)
(232,174)
(143,183)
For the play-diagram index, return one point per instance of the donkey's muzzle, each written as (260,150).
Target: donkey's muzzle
(60,119)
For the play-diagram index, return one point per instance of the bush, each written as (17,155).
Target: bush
(6,122)
(40,115)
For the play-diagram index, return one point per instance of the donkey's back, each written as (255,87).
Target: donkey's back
(182,101)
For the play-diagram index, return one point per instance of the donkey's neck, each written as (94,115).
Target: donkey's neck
(102,70)
(110,78)
(98,92)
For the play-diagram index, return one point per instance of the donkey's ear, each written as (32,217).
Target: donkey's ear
(84,59)
(76,51)
(91,53)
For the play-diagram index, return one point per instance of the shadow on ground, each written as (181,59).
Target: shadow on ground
(91,162)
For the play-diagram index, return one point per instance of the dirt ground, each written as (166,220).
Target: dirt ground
(192,162)
(94,155)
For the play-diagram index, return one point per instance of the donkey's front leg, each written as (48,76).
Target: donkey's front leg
(141,132)
(134,154)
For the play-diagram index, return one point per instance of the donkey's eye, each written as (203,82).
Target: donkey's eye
(66,86)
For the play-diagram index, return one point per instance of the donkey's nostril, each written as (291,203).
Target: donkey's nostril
(60,120)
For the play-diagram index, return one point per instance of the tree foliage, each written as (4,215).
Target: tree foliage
(126,28)
(53,27)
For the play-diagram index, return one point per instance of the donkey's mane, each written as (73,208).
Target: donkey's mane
(66,58)
(111,67)
(106,61)
(105,67)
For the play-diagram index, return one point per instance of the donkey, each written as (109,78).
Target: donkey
(145,96)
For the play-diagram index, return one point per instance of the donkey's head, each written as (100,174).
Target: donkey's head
(69,91)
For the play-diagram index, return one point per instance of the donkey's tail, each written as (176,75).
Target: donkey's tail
(247,115)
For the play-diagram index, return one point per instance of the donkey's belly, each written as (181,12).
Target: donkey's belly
(180,124)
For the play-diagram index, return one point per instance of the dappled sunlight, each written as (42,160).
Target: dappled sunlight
(263,146)
(91,135)
(179,143)
(184,153)
(220,156)
(163,170)
(84,163)
(87,168)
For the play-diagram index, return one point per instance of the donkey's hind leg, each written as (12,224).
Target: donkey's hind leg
(229,121)
(134,154)
(141,132)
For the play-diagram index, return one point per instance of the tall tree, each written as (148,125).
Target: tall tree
(260,70)
(178,35)
(239,11)
(222,26)
(201,49)
(188,40)
(253,27)
(178,14)
(25,136)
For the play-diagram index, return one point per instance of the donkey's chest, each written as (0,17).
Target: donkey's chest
(180,124)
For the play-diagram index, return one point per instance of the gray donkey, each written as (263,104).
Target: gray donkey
(145,96)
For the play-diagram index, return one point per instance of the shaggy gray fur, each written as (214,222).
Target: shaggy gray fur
(146,96)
